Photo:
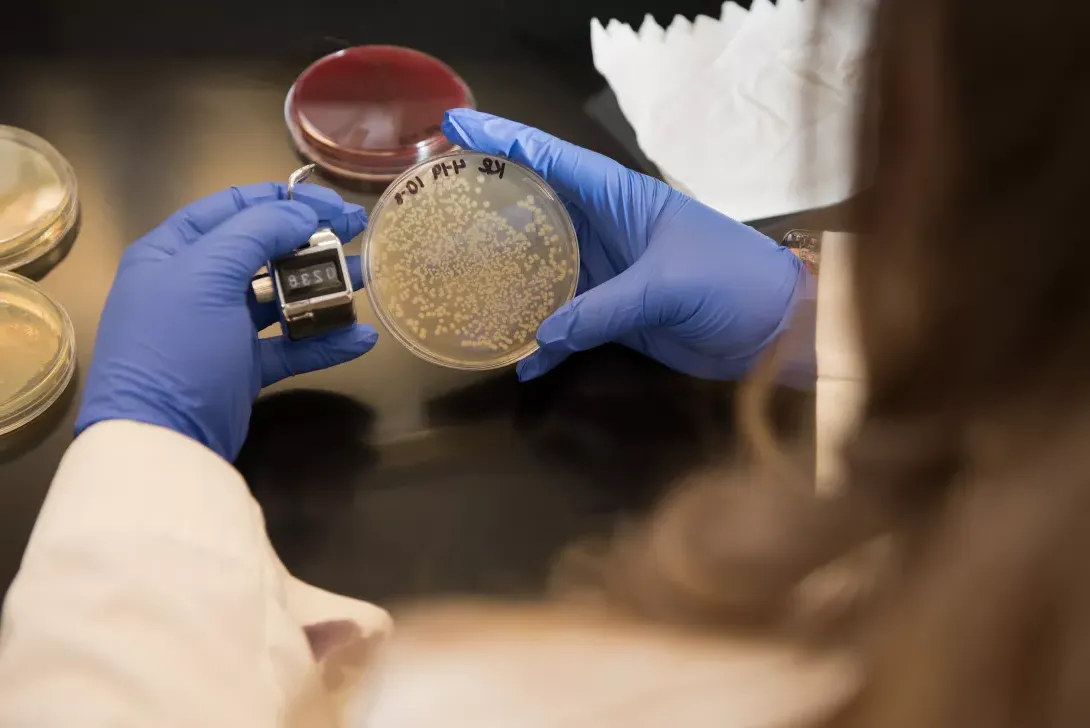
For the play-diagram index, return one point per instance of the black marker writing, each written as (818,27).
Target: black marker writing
(492,166)
(412,187)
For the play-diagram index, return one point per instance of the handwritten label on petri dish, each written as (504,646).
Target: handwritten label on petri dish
(454,166)
(492,166)
(411,187)
(489,166)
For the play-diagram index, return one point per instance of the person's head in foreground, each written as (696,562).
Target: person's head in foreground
(968,478)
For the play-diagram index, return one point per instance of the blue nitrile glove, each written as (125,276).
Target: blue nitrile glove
(661,273)
(177,344)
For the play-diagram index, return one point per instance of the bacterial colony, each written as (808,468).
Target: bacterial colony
(469,266)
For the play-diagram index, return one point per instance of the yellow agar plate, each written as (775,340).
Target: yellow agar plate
(38,352)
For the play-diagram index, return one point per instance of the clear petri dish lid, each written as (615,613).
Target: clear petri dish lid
(369,113)
(39,352)
(465,256)
(38,203)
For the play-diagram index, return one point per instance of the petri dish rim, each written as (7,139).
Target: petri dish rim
(336,167)
(388,321)
(48,231)
(24,408)
(309,140)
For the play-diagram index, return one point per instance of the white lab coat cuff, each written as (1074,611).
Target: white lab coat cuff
(123,478)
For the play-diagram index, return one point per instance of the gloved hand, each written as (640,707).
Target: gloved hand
(660,272)
(177,344)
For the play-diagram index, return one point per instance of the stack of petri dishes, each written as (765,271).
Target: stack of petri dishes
(38,211)
(39,352)
(38,203)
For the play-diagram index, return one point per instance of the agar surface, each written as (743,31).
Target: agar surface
(30,189)
(34,342)
(470,266)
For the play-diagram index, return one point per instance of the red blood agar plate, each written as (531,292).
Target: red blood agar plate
(369,113)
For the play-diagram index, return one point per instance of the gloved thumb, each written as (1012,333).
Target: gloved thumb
(282,358)
(601,315)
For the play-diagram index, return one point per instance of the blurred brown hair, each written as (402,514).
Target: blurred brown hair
(971,465)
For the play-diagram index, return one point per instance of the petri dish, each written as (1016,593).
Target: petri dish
(465,256)
(39,352)
(368,113)
(38,201)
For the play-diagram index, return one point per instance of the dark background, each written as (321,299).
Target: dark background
(479,29)
(387,477)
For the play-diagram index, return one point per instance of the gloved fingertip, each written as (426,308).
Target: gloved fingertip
(528,369)
(346,218)
(282,358)
(350,224)
(325,202)
(298,211)
(353,210)
(452,129)
(362,338)
(265,231)
(555,329)
(539,363)
(314,193)
(368,335)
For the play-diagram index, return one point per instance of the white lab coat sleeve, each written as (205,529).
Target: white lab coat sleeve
(149,595)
